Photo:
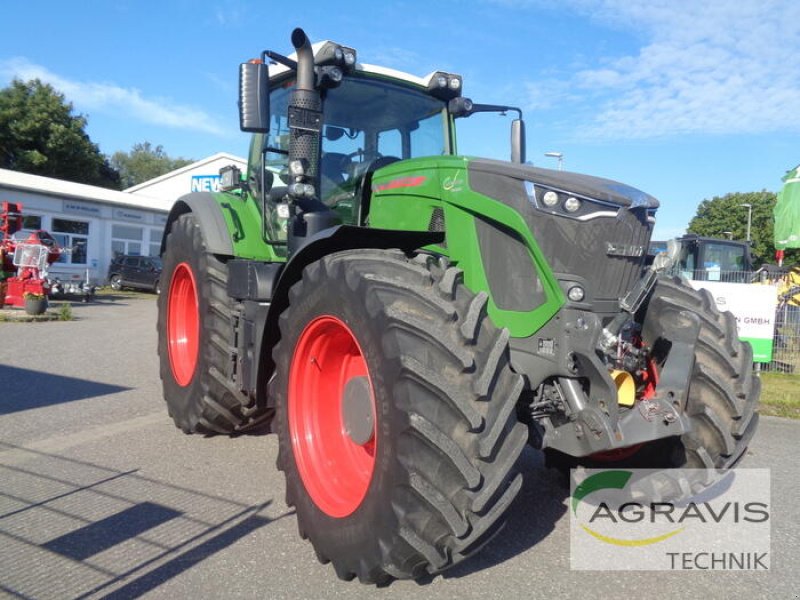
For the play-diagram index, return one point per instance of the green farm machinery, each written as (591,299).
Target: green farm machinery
(407,320)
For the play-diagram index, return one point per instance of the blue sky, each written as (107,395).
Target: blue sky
(685,100)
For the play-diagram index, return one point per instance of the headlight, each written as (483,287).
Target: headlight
(576,293)
(550,198)
(572,204)
(297,168)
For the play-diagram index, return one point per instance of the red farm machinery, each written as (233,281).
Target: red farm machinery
(25,257)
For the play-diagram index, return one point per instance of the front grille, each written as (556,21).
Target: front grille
(591,244)
(581,248)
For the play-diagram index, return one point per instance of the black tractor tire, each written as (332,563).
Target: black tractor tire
(116,282)
(723,393)
(446,437)
(205,400)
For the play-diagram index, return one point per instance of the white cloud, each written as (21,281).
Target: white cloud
(115,99)
(704,67)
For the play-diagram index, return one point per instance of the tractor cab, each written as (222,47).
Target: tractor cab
(368,123)
(324,123)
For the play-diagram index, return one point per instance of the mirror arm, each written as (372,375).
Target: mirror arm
(279,58)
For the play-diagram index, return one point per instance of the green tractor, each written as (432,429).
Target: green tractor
(407,320)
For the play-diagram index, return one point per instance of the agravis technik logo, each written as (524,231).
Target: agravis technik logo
(670,519)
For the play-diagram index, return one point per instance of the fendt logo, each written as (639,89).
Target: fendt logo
(670,519)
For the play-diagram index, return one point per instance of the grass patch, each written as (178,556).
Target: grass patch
(65,312)
(780,395)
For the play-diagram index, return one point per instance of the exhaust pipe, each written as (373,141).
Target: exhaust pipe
(305,110)
(305,125)
(305,60)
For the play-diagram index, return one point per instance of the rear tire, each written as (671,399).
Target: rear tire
(116,283)
(195,326)
(439,470)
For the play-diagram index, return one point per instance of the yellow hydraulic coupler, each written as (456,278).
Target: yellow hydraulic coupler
(626,387)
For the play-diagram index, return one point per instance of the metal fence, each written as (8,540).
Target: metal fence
(786,342)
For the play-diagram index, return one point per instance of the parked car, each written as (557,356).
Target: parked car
(143,272)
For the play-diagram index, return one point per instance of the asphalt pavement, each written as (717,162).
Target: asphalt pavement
(101,496)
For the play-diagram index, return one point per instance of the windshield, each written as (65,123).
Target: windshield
(385,118)
(723,257)
(368,120)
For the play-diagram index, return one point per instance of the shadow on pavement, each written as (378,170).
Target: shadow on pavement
(23,389)
(75,529)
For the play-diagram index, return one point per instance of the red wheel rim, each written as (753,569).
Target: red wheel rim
(183,324)
(335,470)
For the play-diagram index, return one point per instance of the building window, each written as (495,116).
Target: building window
(126,239)
(73,236)
(31,222)
(155,241)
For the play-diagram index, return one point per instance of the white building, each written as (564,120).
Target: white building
(97,223)
(200,176)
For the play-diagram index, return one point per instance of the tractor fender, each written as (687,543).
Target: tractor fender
(328,241)
(208,213)
(345,237)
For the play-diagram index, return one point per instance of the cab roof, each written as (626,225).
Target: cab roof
(279,69)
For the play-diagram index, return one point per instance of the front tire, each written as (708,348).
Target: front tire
(395,410)
(194,328)
(723,392)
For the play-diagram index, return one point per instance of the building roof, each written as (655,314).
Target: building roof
(190,167)
(69,189)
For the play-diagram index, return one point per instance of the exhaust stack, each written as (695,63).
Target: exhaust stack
(305,125)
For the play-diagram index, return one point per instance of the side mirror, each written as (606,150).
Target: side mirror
(518,141)
(254,97)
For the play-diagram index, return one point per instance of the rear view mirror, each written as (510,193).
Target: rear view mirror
(518,141)
(333,133)
(254,97)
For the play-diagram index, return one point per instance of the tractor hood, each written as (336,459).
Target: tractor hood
(593,188)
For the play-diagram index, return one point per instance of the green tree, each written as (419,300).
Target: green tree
(40,134)
(723,214)
(144,162)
